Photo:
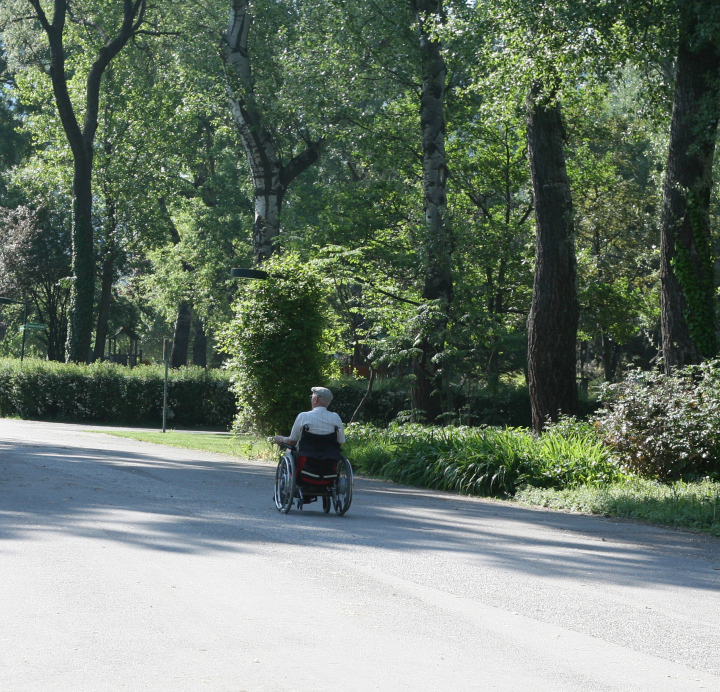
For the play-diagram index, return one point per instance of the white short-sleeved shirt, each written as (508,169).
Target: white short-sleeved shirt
(320,421)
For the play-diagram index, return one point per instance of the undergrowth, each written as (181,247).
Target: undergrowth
(483,461)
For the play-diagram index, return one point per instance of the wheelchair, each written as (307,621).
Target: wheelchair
(326,474)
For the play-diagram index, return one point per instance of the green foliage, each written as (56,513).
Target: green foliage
(34,265)
(277,345)
(173,195)
(388,398)
(109,393)
(665,427)
(687,505)
(616,200)
(483,461)
(507,405)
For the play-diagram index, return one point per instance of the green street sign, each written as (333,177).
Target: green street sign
(32,325)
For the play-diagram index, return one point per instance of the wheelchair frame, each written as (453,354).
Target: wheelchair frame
(337,495)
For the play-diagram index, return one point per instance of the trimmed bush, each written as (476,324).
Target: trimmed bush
(483,461)
(109,393)
(665,427)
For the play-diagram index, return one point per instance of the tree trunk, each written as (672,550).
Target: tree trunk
(81,141)
(107,279)
(200,344)
(610,357)
(82,295)
(687,270)
(181,336)
(553,320)
(183,321)
(438,246)
(271,178)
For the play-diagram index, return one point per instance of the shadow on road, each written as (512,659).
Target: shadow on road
(181,504)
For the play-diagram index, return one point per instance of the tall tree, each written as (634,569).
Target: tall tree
(81,137)
(438,244)
(271,173)
(553,321)
(687,267)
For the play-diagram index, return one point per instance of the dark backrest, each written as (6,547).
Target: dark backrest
(319,446)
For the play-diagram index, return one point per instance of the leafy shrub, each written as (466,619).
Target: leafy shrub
(109,393)
(276,345)
(483,461)
(665,427)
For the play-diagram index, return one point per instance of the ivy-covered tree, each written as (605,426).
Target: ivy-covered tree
(276,343)
(689,316)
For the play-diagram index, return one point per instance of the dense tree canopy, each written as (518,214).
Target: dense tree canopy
(491,193)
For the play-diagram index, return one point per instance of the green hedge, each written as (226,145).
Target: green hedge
(276,343)
(109,393)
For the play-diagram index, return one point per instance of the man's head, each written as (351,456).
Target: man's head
(321,396)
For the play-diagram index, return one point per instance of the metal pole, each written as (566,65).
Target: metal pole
(22,348)
(165,385)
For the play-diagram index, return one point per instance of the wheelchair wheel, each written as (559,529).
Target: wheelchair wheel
(285,484)
(342,497)
(327,503)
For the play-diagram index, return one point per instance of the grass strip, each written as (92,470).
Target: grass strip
(243,446)
(693,505)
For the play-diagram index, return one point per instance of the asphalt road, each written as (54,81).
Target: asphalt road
(129,566)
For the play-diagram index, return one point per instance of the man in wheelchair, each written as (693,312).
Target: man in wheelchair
(314,445)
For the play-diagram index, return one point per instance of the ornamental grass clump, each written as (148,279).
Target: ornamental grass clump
(665,427)
(482,461)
